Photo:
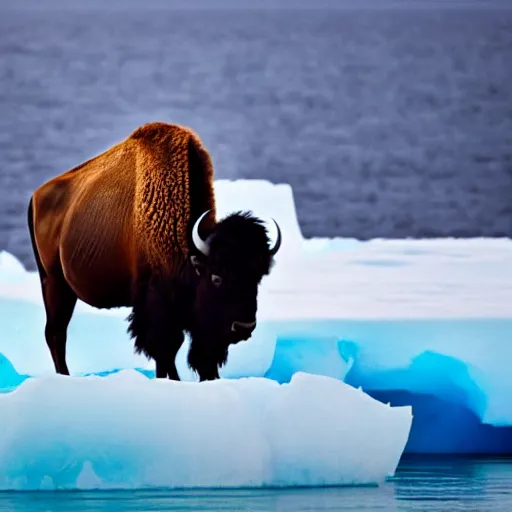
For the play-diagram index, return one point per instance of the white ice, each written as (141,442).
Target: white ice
(128,431)
(431,317)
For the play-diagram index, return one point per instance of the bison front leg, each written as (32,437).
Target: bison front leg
(156,333)
(210,372)
(166,362)
(162,345)
(203,360)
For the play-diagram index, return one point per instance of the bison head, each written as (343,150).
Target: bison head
(230,262)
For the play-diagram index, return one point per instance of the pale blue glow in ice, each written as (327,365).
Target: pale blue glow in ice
(426,324)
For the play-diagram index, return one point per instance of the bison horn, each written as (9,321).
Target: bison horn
(200,244)
(277,244)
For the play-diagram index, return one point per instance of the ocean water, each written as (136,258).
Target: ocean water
(441,484)
(386,122)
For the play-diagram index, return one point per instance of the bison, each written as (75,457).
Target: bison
(135,227)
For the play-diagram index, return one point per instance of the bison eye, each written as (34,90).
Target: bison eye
(216,280)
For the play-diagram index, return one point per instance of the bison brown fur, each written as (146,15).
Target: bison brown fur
(135,227)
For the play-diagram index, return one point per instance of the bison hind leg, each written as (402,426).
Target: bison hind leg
(59,302)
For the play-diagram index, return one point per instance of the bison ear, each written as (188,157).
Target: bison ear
(197,264)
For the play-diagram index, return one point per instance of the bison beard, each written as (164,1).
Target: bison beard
(164,307)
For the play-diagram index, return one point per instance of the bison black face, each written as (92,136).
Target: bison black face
(230,263)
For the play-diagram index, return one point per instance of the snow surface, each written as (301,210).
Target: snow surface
(426,323)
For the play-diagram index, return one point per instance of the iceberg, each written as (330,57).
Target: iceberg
(424,325)
(126,431)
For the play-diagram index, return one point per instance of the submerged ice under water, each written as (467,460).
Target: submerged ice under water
(417,323)
(435,485)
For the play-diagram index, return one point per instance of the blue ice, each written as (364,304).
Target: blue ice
(127,431)
(424,325)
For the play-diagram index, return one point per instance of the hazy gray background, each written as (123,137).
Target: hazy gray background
(388,121)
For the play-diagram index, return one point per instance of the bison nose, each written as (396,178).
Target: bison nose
(244,328)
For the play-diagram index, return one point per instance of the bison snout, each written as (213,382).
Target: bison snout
(243,329)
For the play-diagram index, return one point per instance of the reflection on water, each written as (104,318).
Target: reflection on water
(434,484)
(449,484)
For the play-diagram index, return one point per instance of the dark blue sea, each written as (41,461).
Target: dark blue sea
(388,121)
